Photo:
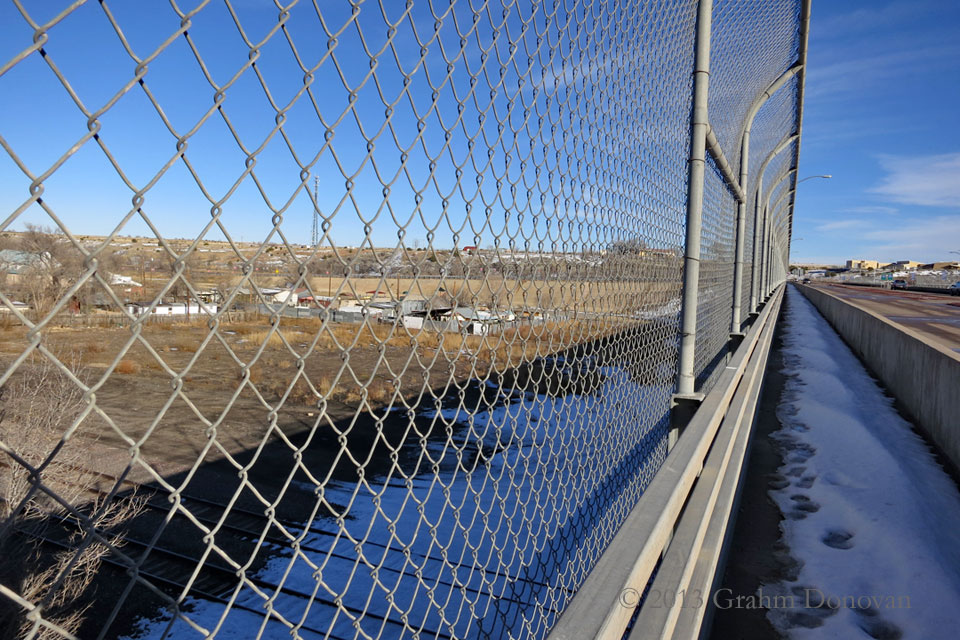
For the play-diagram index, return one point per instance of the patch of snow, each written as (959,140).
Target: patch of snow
(872,518)
(495,519)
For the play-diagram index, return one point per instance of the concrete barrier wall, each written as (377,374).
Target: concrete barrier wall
(922,375)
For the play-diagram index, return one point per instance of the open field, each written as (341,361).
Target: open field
(171,394)
(179,384)
(233,416)
(250,409)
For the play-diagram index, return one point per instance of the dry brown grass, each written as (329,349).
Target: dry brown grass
(127,367)
(151,364)
(274,341)
(8,321)
(183,344)
(39,404)
(301,393)
(428,339)
(177,323)
(500,292)
(324,385)
(344,333)
(379,391)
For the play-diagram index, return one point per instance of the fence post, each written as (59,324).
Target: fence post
(735,320)
(764,254)
(767,254)
(742,207)
(805,9)
(771,219)
(758,200)
(686,400)
(755,264)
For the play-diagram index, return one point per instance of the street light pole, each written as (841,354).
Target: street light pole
(826,175)
(791,191)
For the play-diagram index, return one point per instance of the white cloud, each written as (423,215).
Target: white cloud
(850,74)
(841,224)
(868,20)
(809,260)
(925,239)
(871,209)
(885,238)
(932,181)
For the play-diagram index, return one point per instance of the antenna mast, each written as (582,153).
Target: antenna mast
(315,235)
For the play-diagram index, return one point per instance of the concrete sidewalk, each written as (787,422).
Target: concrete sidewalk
(842,500)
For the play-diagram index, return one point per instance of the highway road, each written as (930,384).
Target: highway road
(935,315)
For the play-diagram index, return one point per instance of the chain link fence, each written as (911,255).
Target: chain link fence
(352,319)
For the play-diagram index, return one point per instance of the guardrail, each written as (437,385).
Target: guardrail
(945,289)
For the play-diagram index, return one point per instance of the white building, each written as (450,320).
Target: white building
(123,281)
(173,309)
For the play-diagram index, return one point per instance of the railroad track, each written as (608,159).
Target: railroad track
(206,575)
(258,526)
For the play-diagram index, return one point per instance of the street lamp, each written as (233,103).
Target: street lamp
(826,175)
(764,278)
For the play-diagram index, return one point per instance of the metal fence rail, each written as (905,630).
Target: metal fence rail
(366,319)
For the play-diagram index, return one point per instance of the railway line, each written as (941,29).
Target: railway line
(209,573)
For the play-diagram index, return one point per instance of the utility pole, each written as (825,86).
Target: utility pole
(315,235)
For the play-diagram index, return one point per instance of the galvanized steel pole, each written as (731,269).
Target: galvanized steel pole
(736,319)
(686,377)
(804,40)
(779,218)
(757,209)
(762,269)
(765,287)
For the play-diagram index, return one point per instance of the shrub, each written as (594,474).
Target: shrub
(39,405)
(127,367)
(379,392)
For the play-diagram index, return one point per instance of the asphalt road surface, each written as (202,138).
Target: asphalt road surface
(937,316)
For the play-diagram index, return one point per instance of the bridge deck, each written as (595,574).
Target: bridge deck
(936,316)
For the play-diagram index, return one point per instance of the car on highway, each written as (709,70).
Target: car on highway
(954,289)
(899,284)
(806,281)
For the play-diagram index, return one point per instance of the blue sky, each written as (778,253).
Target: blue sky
(882,99)
(513,193)
(882,95)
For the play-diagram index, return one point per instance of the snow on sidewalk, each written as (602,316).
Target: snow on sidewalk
(870,516)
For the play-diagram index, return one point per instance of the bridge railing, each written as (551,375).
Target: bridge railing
(368,319)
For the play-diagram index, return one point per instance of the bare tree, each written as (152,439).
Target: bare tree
(55,266)
(179,290)
(42,281)
(38,406)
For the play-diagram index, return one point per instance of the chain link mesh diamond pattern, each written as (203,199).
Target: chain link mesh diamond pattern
(714,309)
(776,119)
(753,42)
(346,319)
